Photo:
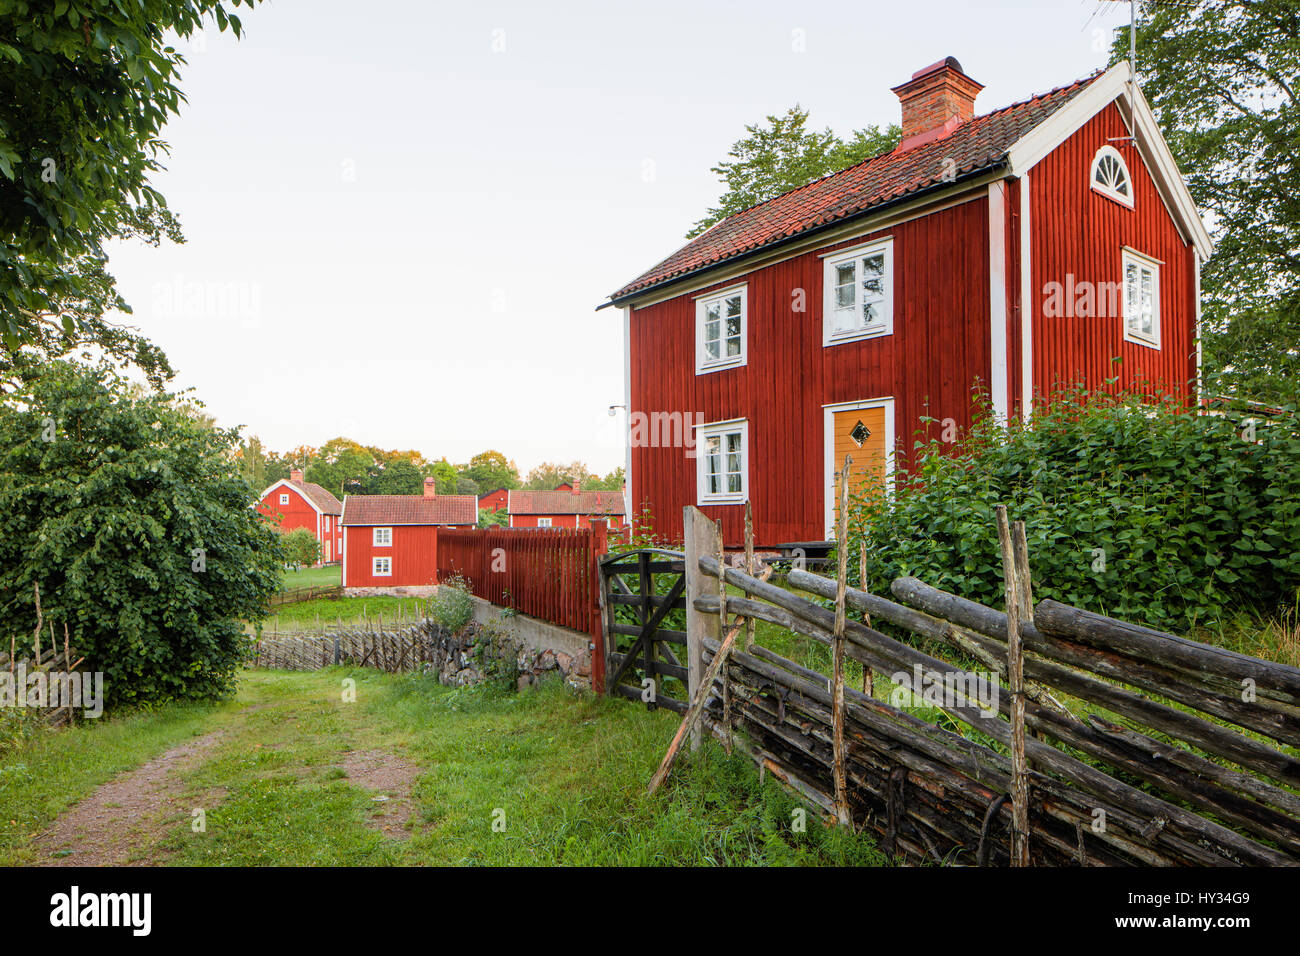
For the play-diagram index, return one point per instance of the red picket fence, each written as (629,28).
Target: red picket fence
(545,573)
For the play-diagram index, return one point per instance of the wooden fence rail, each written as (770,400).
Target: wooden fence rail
(1180,753)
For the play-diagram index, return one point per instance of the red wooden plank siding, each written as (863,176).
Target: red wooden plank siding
(940,346)
(1078,231)
(413,552)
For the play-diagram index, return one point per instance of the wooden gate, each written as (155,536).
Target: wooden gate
(643,599)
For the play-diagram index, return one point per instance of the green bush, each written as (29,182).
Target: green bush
(126,510)
(452,607)
(301,549)
(1143,511)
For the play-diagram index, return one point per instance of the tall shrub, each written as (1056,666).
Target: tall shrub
(1141,510)
(128,512)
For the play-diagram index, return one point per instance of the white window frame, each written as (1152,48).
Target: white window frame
(284,498)
(705,365)
(1132,256)
(381,561)
(543,522)
(830,263)
(1108,191)
(702,434)
(381,537)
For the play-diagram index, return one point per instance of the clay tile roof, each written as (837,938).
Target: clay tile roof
(321,498)
(566,503)
(978,145)
(409,509)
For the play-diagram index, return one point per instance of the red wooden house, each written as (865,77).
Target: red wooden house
(495,500)
(1052,241)
(391,541)
(568,506)
(294,503)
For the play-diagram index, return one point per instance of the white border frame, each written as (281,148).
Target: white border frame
(374,566)
(374,536)
(1143,261)
(829,261)
(1108,150)
(703,367)
(722,498)
(828,431)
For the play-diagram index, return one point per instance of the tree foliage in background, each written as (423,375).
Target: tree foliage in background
(1141,511)
(85,89)
(1223,77)
(785,154)
(550,475)
(144,541)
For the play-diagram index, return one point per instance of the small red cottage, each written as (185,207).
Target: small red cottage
(1050,242)
(391,541)
(566,507)
(294,503)
(494,500)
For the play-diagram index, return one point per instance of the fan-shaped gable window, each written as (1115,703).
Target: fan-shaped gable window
(1110,176)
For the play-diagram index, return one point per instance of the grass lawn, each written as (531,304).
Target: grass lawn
(307,614)
(288,773)
(331,575)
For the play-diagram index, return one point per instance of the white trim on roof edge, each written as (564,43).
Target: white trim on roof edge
(301,494)
(1112,86)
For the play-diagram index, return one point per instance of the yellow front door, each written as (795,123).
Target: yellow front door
(859,434)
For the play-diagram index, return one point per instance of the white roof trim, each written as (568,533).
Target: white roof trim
(292,487)
(1114,85)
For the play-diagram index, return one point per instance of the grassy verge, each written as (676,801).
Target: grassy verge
(326,577)
(564,772)
(308,614)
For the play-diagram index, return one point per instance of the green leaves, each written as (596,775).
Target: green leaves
(138,530)
(1146,511)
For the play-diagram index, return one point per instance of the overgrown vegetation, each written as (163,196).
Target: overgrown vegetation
(301,549)
(124,510)
(452,607)
(1137,509)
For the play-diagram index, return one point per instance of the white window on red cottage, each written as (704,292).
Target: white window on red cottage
(1141,299)
(720,329)
(722,462)
(382,567)
(382,537)
(284,499)
(858,294)
(543,522)
(1110,176)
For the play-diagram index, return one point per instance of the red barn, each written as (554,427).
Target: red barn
(294,503)
(1049,242)
(391,541)
(566,507)
(494,500)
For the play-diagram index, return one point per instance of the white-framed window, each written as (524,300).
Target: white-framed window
(543,522)
(381,567)
(1141,299)
(858,297)
(284,499)
(382,537)
(721,320)
(722,462)
(1109,176)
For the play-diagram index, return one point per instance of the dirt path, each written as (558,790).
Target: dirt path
(117,823)
(391,778)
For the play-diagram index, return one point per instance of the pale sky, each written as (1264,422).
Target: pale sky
(401,215)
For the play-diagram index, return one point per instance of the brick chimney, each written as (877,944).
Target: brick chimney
(936,100)
(577,486)
(431,487)
(296,475)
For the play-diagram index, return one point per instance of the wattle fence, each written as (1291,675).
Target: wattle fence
(546,573)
